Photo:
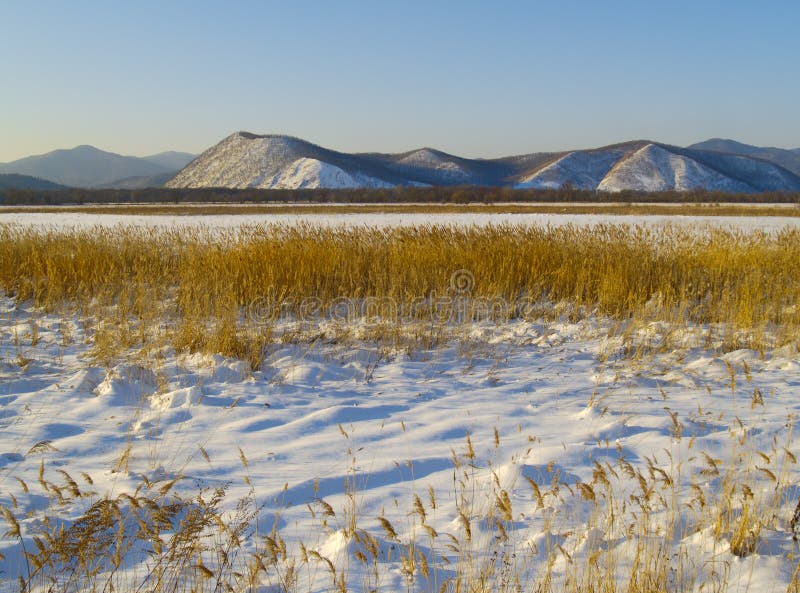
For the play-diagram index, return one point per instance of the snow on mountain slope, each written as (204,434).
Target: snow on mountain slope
(426,158)
(654,168)
(237,162)
(759,174)
(244,160)
(788,159)
(580,169)
(311,173)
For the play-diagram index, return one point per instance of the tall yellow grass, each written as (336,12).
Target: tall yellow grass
(203,282)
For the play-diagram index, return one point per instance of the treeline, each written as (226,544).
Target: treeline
(420,195)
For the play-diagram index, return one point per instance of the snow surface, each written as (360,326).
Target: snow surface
(560,395)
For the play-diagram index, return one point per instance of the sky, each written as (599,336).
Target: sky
(480,79)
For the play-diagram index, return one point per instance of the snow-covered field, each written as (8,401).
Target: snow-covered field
(232,221)
(319,416)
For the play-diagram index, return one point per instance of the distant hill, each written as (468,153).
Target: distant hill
(245,160)
(171,160)
(788,159)
(15,181)
(142,182)
(85,166)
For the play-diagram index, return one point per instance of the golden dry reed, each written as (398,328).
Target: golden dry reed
(203,280)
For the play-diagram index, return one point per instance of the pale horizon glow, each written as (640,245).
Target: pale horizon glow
(472,79)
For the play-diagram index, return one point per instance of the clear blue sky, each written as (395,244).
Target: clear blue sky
(475,78)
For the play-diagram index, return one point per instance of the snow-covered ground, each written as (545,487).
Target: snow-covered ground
(318,416)
(230,221)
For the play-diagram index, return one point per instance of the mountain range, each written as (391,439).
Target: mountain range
(87,166)
(788,159)
(246,160)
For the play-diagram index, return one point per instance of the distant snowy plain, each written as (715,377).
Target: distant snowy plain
(232,221)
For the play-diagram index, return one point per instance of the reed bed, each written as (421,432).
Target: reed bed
(226,290)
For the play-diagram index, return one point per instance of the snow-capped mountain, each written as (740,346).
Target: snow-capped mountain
(244,160)
(434,160)
(580,169)
(761,175)
(788,159)
(655,168)
(429,166)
